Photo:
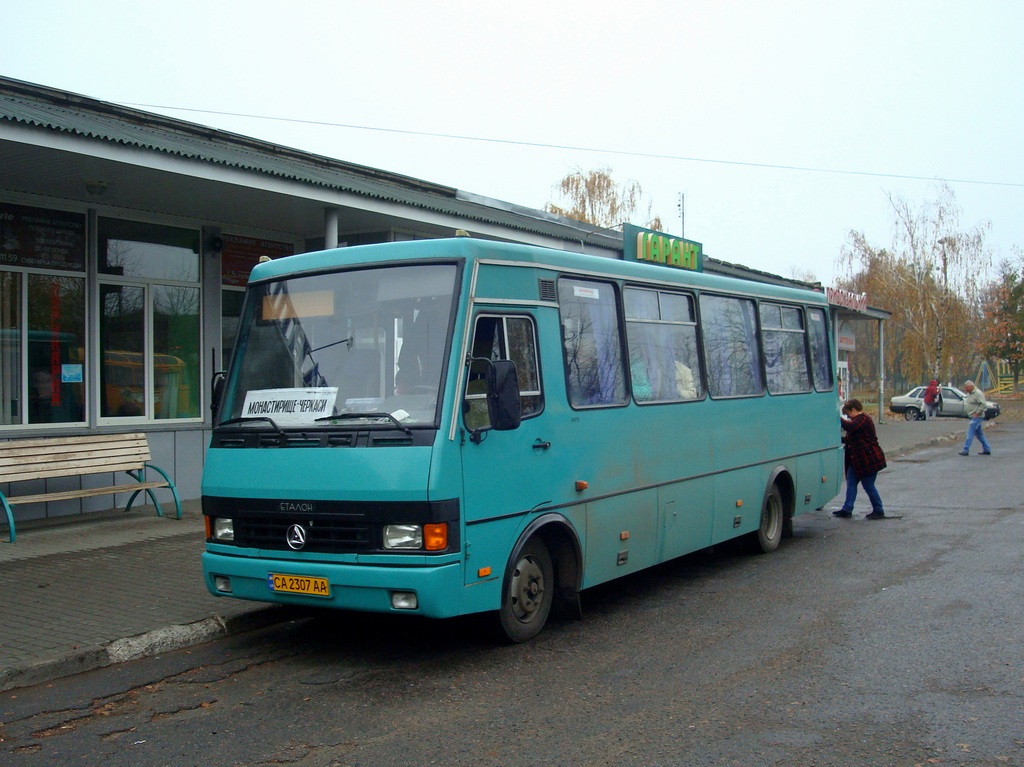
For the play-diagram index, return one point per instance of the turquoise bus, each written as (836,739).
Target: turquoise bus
(459,426)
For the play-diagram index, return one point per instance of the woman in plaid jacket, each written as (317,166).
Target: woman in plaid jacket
(864,459)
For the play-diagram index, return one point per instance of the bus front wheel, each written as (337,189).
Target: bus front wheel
(769,532)
(528,592)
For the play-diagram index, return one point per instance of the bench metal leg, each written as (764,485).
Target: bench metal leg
(133,496)
(10,519)
(170,486)
(149,491)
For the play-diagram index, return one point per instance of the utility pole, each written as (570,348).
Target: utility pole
(682,215)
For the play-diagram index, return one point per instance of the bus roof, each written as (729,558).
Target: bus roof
(489,250)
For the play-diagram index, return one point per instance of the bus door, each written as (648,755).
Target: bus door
(504,472)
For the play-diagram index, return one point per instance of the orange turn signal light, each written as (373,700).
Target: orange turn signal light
(435,537)
(581,485)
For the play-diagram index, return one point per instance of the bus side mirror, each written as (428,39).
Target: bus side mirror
(216,392)
(503,395)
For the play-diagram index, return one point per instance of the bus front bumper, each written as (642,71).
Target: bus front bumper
(423,590)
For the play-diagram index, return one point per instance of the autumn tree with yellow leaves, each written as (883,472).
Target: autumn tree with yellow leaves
(1003,329)
(594,197)
(932,278)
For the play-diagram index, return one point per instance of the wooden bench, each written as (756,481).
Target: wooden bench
(22,460)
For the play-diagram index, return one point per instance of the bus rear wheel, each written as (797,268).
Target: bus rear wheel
(528,592)
(769,531)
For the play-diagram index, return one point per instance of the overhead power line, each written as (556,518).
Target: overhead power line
(569,147)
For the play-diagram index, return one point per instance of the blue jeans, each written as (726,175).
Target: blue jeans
(868,480)
(976,429)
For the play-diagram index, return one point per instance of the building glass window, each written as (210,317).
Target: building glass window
(238,256)
(136,249)
(10,349)
(176,351)
(149,321)
(56,349)
(123,343)
(42,316)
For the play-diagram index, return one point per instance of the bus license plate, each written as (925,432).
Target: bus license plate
(299,584)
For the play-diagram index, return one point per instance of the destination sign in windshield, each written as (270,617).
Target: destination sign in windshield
(290,406)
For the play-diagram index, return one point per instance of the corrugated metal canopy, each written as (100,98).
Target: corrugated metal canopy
(38,107)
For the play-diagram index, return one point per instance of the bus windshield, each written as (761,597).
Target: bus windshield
(347,348)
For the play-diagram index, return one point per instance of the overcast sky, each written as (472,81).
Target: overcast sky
(785,124)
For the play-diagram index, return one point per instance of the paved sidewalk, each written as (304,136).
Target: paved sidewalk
(80,595)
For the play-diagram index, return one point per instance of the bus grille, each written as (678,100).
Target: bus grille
(323,535)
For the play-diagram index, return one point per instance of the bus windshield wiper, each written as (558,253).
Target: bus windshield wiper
(371,414)
(244,419)
(349,340)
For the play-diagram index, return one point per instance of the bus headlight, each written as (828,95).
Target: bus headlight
(223,529)
(432,537)
(403,537)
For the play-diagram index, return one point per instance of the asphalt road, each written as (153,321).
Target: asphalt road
(893,642)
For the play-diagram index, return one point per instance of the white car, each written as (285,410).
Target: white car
(911,404)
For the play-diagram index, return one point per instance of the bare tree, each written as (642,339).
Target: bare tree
(594,197)
(932,279)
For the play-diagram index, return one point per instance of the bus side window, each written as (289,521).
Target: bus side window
(503,338)
(731,349)
(821,353)
(661,334)
(785,349)
(591,342)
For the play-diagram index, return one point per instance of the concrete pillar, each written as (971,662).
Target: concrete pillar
(330,228)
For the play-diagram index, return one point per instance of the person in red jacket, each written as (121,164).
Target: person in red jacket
(932,400)
(864,459)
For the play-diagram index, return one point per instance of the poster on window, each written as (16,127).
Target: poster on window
(241,254)
(41,238)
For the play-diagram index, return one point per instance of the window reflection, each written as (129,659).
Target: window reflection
(122,341)
(149,320)
(56,333)
(731,350)
(10,348)
(176,352)
(591,343)
(135,249)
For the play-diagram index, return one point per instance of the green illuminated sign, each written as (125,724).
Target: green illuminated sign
(640,244)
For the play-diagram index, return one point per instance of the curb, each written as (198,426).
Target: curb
(167,639)
(941,439)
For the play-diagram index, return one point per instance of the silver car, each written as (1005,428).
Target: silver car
(911,404)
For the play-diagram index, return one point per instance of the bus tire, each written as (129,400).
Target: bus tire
(528,592)
(769,531)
